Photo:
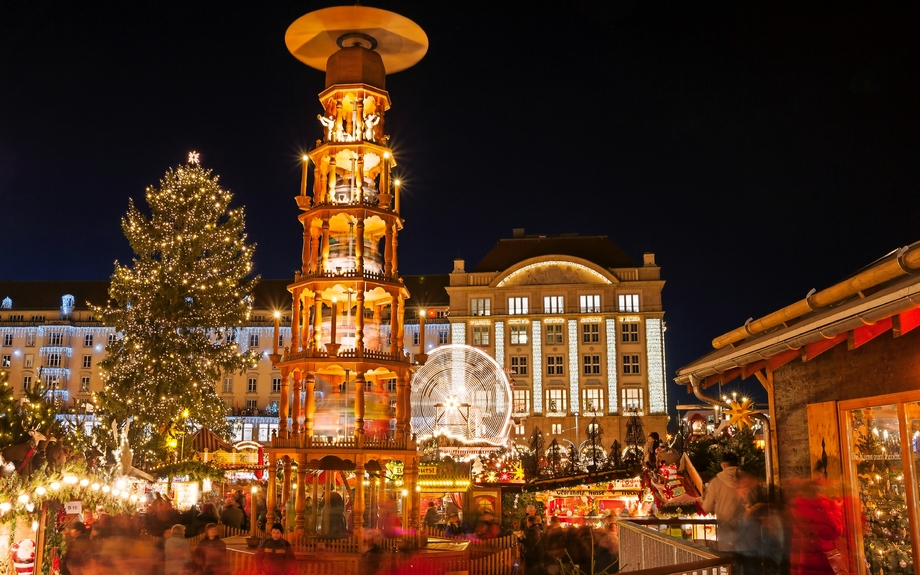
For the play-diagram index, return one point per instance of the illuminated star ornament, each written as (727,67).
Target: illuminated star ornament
(740,413)
(194,157)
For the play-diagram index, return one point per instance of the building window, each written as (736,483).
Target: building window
(518,335)
(555,365)
(111,339)
(629,332)
(519,429)
(253,340)
(631,364)
(30,339)
(7,340)
(517,306)
(88,340)
(521,400)
(594,400)
(87,362)
(56,339)
(629,302)
(252,404)
(480,335)
(258,318)
(276,385)
(553,334)
(590,303)
(228,385)
(252,385)
(54,360)
(519,364)
(38,319)
(556,400)
(442,313)
(280,341)
(480,306)
(555,428)
(443,337)
(84,384)
(590,332)
(632,399)
(415,337)
(590,364)
(553,304)
(391,386)
(6,361)
(28,361)
(26,382)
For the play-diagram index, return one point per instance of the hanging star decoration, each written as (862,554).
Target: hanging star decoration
(194,157)
(740,413)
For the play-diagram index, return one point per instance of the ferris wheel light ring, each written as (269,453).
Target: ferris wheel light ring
(463,393)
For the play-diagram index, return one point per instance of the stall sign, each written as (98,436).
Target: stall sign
(73,507)
(428,470)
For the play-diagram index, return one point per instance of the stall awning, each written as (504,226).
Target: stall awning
(204,438)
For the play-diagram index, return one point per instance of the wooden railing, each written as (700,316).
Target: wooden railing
(352,442)
(719,566)
(642,548)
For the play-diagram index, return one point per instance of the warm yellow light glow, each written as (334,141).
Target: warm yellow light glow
(306,158)
(396,183)
(277,314)
(421,313)
(255,489)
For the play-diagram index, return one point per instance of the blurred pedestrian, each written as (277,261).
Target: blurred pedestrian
(231,516)
(210,555)
(178,555)
(431,516)
(76,559)
(817,522)
(730,495)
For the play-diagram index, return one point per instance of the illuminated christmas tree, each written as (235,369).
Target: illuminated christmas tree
(177,310)
(35,409)
(7,409)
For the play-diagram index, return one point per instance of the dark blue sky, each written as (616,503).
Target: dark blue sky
(759,149)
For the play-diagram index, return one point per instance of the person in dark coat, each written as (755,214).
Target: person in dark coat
(533,546)
(210,556)
(79,547)
(232,516)
(275,556)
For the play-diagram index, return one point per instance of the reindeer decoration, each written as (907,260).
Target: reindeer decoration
(124,456)
(27,456)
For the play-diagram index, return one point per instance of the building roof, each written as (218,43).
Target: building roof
(596,249)
(46,295)
(865,308)
(428,290)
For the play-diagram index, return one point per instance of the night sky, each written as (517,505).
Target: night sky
(759,149)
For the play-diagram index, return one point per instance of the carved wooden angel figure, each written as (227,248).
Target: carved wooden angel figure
(328,123)
(370,121)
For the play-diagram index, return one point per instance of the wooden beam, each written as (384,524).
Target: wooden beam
(752,368)
(905,321)
(782,359)
(865,334)
(813,350)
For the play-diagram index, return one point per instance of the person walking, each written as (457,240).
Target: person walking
(275,556)
(177,552)
(210,555)
(79,547)
(730,495)
(231,516)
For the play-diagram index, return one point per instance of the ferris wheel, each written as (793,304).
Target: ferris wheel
(463,393)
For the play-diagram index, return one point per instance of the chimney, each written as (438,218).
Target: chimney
(648,258)
(459,266)
(517,233)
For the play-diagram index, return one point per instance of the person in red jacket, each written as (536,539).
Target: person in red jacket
(817,522)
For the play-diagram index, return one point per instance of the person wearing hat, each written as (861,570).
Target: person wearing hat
(275,556)
(454,527)
(231,516)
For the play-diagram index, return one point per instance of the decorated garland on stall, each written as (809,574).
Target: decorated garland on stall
(194,470)
(22,497)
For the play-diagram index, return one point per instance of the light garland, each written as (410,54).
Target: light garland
(654,341)
(610,328)
(537,348)
(573,366)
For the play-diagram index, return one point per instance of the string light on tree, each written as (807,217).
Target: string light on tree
(176,309)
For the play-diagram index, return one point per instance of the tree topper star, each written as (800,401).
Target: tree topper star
(194,157)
